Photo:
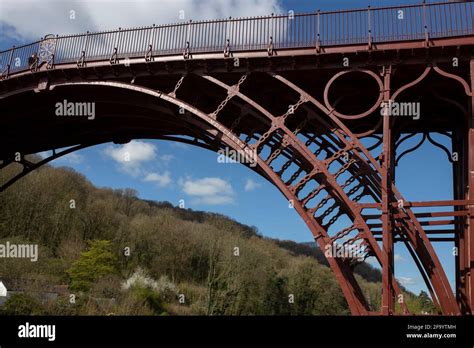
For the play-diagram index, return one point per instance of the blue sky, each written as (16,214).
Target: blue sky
(165,171)
(176,172)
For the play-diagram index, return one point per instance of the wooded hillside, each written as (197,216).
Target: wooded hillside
(125,256)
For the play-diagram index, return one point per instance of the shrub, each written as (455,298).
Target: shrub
(97,261)
(149,297)
(22,304)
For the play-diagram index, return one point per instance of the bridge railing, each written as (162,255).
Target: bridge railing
(319,29)
(17,58)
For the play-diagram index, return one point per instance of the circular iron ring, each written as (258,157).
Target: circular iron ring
(364,114)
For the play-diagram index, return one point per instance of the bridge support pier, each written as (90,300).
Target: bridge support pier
(459,146)
(467,247)
(465,237)
(387,175)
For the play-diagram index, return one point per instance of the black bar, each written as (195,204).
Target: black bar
(244,330)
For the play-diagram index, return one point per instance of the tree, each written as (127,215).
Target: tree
(22,304)
(301,285)
(275,301)
(426,303)
(223,285)
(97,261)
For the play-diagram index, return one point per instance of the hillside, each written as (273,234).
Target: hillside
(118,254)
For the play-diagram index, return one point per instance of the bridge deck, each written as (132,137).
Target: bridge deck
(368,26)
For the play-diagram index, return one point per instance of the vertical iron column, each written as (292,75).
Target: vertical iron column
(387,237)
(469,235)
(459,146)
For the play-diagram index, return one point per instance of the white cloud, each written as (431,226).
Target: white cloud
(406,281)
(33,19)
(135,151)
(131,156)
(212,191)
(161,179)
(251,185)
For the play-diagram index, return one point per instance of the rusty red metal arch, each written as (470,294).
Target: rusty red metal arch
(310,147)
(442,281)
(356,213)
(416,234)
(354,296)
(234,142)
(352,293)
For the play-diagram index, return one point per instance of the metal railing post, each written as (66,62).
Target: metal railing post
(114,57)
(149,52)
(227,37)
(270,40)
(370,29)
(425,25)
(82,60)
(187,50)
(318,36)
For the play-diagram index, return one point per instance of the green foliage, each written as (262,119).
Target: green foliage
(22,304)
(276,297)
(418,304)
(304,289)
(180,249)
(149,297)
(65,307)
(425,303)
(97,261)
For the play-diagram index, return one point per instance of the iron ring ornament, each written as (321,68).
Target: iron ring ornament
(47,50)
(363,114)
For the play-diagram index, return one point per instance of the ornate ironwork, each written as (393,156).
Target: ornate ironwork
(314,154)
(47,50)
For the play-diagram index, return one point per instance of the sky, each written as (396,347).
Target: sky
(167,171)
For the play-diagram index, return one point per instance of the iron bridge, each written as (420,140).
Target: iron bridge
(307,93)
